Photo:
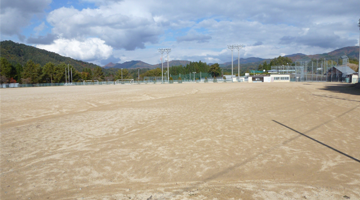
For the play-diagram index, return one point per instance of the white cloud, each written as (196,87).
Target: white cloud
(16,14)
(122,25)
(197,29)
(91,49)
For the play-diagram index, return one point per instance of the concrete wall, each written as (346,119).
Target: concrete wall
(355,78)
(280,77)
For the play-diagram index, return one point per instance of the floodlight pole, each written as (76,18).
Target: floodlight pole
(167,52)
(232,47)
(162,65)
(68,73)
(238,47)
(65,77)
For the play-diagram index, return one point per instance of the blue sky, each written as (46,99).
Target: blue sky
(102,31)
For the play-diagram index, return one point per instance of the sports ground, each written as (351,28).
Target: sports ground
(181,141)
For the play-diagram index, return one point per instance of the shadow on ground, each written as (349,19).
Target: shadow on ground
(353,89)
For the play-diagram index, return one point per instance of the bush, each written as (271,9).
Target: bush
(206,79)
(224,79)
(215,80)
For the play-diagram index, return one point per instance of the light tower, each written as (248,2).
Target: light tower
(238,47)
(232,47)
(168,70)
(162,65)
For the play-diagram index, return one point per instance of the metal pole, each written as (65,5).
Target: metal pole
(65,77)
(168,66)
(138,74)
(239,63)
(324,68)
(162,68)
(162,65)
(317,65)
(68,73)
(312,71)
(71,76)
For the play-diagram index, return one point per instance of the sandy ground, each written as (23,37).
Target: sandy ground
(181,141)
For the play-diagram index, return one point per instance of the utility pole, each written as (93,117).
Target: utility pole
(162,65)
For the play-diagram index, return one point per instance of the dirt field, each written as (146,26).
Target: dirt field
(181,141)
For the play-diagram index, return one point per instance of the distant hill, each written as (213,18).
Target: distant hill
(134,64)
(173,63)
(243,61)
(21,53)
(252,63)
(109,65)
(351,52)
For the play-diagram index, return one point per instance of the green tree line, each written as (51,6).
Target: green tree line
(33,72)
(275,62)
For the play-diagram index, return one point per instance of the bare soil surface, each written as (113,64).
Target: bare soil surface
(181,141)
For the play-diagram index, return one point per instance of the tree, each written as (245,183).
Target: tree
(86,74)
(153,72)
(19,70)
(98,73)
(266,66)
(125,74)
(215,70)
(280,61)
(7,70)
(32,71)
(49,69)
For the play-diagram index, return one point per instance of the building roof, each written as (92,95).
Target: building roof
(345,70)
(344,57)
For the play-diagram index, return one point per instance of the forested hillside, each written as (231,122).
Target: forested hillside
(17,53)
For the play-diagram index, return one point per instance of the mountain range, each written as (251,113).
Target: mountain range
(351,52)
(21,53)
